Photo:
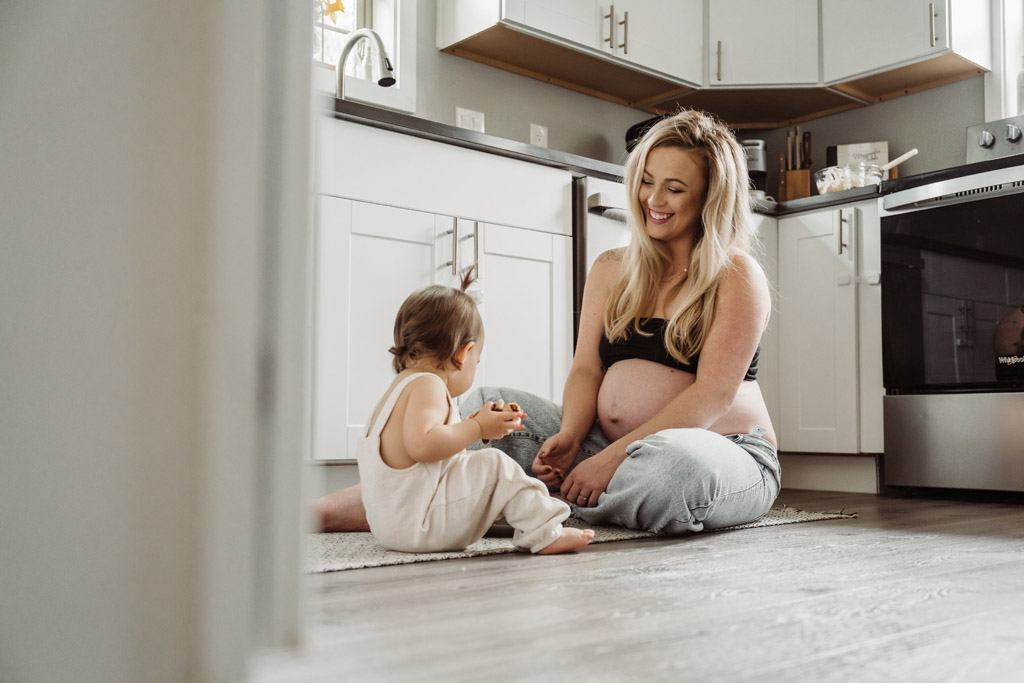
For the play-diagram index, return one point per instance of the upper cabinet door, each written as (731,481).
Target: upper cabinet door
(572,20)
(861,37)
(762,42)
(663,35)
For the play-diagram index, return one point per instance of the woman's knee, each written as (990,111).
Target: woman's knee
(697,476)
(678,454)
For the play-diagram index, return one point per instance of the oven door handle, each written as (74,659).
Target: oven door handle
(968,188)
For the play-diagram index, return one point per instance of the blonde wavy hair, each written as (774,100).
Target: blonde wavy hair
(725,230)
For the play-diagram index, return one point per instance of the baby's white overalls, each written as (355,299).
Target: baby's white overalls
(450,504)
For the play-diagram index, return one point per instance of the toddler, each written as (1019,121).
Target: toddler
(422,490)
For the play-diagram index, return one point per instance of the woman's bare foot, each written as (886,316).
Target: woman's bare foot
(571,539)
(342,510)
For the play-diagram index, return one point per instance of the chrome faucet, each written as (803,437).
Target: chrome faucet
(387,73)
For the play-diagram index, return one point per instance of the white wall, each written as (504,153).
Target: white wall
(136,153)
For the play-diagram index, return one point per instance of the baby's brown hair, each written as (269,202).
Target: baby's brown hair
(435,322)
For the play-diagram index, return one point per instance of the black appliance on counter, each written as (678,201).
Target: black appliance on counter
(953,328)
(637,130)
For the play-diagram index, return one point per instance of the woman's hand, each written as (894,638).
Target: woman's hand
(590,478)
(495,424)
(554,459)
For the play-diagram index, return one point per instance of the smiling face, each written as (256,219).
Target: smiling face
(672,192)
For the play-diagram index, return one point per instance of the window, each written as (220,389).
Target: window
(395,22)
(334,21)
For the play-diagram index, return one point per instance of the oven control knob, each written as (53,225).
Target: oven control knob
(1012,133)
(986,139)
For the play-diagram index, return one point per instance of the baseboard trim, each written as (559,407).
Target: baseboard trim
(853,473)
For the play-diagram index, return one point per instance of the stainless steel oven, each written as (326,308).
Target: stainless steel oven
(953,329)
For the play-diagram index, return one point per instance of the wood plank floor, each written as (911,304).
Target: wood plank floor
(919,588)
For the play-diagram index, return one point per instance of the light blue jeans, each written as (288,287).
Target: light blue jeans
(673,481)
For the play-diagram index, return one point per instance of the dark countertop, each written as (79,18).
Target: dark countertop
(346,110)
(821,201)
(582,166)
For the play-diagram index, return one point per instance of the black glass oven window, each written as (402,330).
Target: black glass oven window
(953,297)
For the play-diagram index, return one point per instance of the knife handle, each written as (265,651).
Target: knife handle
(805,157)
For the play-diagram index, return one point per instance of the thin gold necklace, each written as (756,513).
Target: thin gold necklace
(678,275)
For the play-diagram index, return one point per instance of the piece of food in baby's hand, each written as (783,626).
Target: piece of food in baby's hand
(499,407)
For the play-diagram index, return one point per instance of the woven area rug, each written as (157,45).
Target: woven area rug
(340,551)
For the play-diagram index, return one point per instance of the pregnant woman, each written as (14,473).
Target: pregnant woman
(664,427)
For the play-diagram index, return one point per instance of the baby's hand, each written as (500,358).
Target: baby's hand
(498,420)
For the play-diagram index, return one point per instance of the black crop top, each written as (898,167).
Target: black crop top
(653,348)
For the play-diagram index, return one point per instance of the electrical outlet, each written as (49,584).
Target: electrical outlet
(467,118)
(538,135)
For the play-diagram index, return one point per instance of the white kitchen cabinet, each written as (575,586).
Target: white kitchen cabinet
(872,36)
(526,303)
(871,389)
(379,236)
(762,42)
(632,52)
(664,35)
(367,259)
(768,371)
(574,20)
(830,331)
(386,167)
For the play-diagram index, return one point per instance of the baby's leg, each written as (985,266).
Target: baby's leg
(342,510)
(570,539)
(536,517)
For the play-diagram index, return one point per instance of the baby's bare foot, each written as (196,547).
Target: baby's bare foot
(571,539)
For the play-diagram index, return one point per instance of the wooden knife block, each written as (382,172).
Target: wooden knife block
(797,185)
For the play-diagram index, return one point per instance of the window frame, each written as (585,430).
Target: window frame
(395,21)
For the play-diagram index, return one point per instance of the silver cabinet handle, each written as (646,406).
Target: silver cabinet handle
(931,23)
(476,247)
(454,232)
(719,60)
(625,32)
(842,244)
(611,27)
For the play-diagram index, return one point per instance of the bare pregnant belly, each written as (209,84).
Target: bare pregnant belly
(634,391)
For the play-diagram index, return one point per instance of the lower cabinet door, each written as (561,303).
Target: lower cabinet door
(368,259)
(525,293)
(818,333)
